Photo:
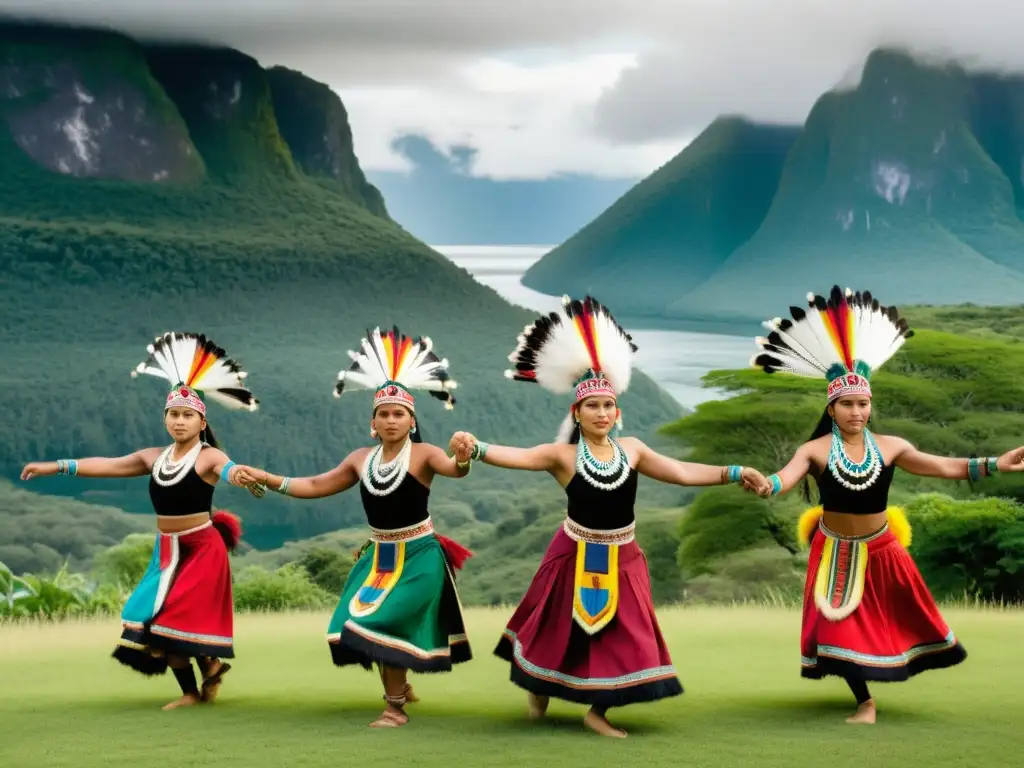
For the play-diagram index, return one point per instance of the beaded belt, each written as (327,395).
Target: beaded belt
(578,532)
(410,532)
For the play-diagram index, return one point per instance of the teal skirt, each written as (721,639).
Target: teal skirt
(399,607)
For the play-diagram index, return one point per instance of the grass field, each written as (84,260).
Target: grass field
(65,702)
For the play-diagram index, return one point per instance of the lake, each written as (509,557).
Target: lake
(675,359)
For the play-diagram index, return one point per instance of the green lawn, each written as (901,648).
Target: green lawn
(65,702)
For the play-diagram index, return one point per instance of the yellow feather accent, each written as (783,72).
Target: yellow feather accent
(899,525)
(807,523)
(897,518)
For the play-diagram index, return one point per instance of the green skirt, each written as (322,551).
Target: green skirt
(399,607)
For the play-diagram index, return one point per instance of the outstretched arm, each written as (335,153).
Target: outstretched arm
(790,475)
(668,470)
(339,479)
(132,465)
(540,458)
(916,462)
(213,463)
(448,466)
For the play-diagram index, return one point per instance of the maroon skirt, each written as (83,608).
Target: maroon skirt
(550,653)
(867,613)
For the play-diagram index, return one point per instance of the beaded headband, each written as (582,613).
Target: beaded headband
(185,397)
(593,383)
(393,393)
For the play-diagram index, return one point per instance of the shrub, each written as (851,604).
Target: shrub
(722,520)
(327,568)
(288,588)
(971,547)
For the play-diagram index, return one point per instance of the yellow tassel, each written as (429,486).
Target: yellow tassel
(807,523)
(899,525)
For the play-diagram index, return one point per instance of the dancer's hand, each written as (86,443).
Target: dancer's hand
(461,445)
(755,482)
(38,469)
(463,450)
(1011,461)
(243,475)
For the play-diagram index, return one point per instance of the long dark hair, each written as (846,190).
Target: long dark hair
(206,436)
(825,426)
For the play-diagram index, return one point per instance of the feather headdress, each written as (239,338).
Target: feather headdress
(392,364)
(842,339)
(196,368)
(581,349)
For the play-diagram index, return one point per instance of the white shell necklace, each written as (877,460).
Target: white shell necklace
(379,478)
(166,472)
(597,472)
(855,476)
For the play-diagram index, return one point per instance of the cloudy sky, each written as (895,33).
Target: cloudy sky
(543,87)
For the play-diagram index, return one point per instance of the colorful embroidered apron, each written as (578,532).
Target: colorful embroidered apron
(839,581)
(596,588)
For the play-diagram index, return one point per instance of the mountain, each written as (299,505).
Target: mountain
(146,187)
(908,184)
(679,224)
(440,202)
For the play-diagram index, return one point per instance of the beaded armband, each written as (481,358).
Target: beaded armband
(225,472)
(67,467)
(975,464)
(734,473)
(479,451)
(776,484)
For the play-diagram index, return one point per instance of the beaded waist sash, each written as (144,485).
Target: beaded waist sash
(409,533)
(618,536)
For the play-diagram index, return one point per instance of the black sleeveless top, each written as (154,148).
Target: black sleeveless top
(188,496)
(601,510)
(836,497)
(404,506)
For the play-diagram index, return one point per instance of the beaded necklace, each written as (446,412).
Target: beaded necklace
(605,475)
(166,472)
(380,478)
(855,476)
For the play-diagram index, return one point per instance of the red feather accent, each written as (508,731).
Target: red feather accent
(457,553)
(229,527)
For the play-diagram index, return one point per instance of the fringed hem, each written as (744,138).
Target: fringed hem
(825,666)
(141,660)
(353,648)
(137,645)
(607,697)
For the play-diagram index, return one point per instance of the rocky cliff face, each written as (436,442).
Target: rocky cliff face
(314,123)
(82,104)
(99,105)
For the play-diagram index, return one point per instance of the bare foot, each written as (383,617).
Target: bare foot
(211,685)
(865,714)
(599,724)
(538,705)
(410,695)
(185,701)
(392,717)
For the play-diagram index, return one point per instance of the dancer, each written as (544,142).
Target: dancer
(182,607)
(399,607)
(586,630)
(868,615)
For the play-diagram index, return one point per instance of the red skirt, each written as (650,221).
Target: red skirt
(183,605)
(868,614)
(550,654)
